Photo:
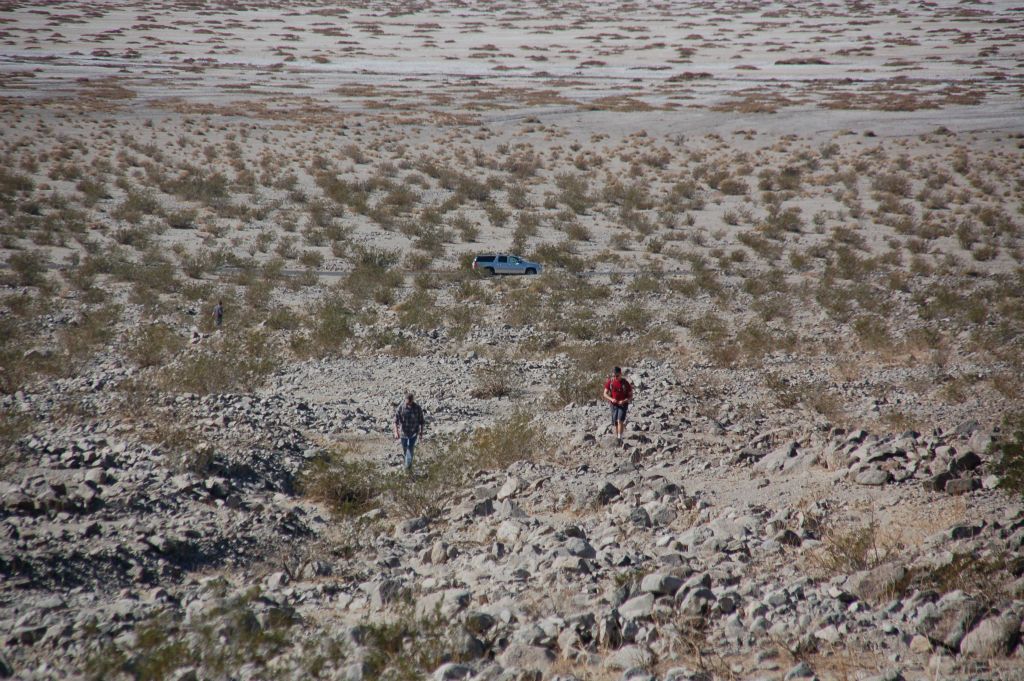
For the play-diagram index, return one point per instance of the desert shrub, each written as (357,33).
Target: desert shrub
(755,340)
(773,306)
(227,636)
(599,358)
(574,385)
(763,283)
(468,231)
(153,344)
(760,245)
(685,195)
(93,190)
(13,426)
(194,184)
(93,327)
(419,310)
(409,647)
(136,205)
(647,283)
(873,332)
(891,183)
(12,182)
(980,576)
(559,255)
(312,259)
(629,196)
(345,485)
(1008,453)
(29,267)
(227,363)
(852,549)
(515,438)
(704,277)
(372,275)
(733,186)
(355,195)
(495,380)
(782,220)
(573,192)
(390,341)
(332,325)
(634,318)
(184,218)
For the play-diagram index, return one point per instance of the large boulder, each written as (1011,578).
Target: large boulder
(956,614)
(660,584)
(993,637)
(638,607)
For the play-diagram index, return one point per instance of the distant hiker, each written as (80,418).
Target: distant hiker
(218,313)
(619,393)
(408,427)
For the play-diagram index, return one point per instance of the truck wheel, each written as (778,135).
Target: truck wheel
(530,270)
(490,271)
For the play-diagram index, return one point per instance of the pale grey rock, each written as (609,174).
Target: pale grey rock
(829,634)
(800,671)
(952,618)
(629,657)
(580,547)
(572,564)
(958,486)
(510,488)
(993,637)
(276,581)
(526,657)
(873,477)
(660,584)
(696,603)
(638,607)
(452,671)
(878,584)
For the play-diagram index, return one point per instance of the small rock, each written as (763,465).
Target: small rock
(510,488)
(920,644)
(606,492)
(958,486)
(277,581)
(829,634)
(801,671)
(451,671)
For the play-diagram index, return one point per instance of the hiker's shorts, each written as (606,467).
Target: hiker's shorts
(619,413)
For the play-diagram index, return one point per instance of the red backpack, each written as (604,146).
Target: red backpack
(620,389)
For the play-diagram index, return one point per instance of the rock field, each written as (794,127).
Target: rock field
(799,227)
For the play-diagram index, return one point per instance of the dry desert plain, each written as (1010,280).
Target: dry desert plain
(798,226)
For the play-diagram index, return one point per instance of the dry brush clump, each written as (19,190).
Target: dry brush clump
(349,485)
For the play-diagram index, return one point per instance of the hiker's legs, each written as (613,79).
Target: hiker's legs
(619,419)
(408,443)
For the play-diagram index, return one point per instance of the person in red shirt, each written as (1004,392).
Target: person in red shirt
(619,393)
